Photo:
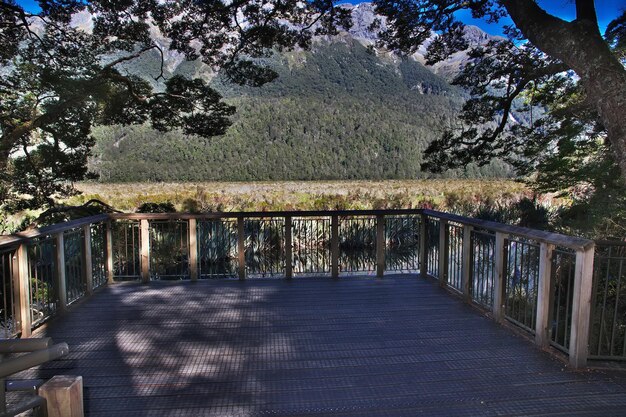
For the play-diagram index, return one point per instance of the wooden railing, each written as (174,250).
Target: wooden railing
(608,306)
(519,268)
(44,270)
(539,281)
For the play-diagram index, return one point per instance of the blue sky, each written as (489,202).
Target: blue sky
(607,10)
(29,5)
(565,9)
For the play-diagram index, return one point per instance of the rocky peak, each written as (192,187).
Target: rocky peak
(363,16)
(475,36)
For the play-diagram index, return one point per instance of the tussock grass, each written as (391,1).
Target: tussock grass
(444,194)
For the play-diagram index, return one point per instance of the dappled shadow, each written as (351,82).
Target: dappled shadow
(89,330)
(196,345)
(357,347)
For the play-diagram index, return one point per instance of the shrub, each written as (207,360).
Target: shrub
(165,207)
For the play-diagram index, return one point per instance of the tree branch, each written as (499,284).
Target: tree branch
(34,168)
(129,57)
(534,22)
(9,139)
(586,11)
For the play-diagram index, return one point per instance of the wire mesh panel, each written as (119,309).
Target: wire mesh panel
(98,255)
(265,247)
(357,244)
(74,266)
(310,239)
(455,256)
(402,243)
(43,278)
(126,249)
(169,249)
(521,278)
(563,267)
(8,322)
(608,329)
(432,247)
(217,248)
(483,267)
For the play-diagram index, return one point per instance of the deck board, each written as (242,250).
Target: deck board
(400,346)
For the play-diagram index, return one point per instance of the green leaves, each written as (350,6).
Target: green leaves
(561,130)
(63,73)
(192,106)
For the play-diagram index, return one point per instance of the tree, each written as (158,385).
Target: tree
(542,54)
(60,78)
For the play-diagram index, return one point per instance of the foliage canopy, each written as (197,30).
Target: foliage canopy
(566,67)
(61,76)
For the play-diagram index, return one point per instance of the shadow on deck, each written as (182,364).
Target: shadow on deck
(354,347)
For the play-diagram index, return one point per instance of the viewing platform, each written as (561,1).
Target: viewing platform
(368,313)
(400,346)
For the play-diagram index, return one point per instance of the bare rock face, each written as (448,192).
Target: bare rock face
(363,15)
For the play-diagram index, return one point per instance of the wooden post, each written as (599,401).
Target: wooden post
(444,241)
(61,282)
(18,303)
(466,270)
(334,246)
(87,261)
(109,252)
(145,250)
(380,245)
(423,248)
(21,281)
(542,326)
(241,247)
(581,308)
(498,283)
(193,249)
(288,248)
(64,396)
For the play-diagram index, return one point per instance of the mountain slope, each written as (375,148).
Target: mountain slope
(339,111)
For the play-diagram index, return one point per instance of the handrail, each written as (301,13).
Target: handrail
(24,345)
(244,214)
(21,363)
(571,242)
(441,249)
(40,352)
(576,243)
(610,243)
(21,237)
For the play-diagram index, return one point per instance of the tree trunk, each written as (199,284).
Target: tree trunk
(607,90)
(581,47)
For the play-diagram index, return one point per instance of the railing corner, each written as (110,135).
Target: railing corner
(581,307)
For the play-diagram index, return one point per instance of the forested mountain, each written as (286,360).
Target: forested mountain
(342,110)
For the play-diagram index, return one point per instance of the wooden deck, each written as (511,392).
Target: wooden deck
(400,346)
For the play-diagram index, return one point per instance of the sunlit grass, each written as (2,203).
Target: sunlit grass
(305,195)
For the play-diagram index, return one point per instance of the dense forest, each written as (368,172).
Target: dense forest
(339,111)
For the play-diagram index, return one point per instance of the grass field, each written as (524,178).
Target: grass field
(303,195)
